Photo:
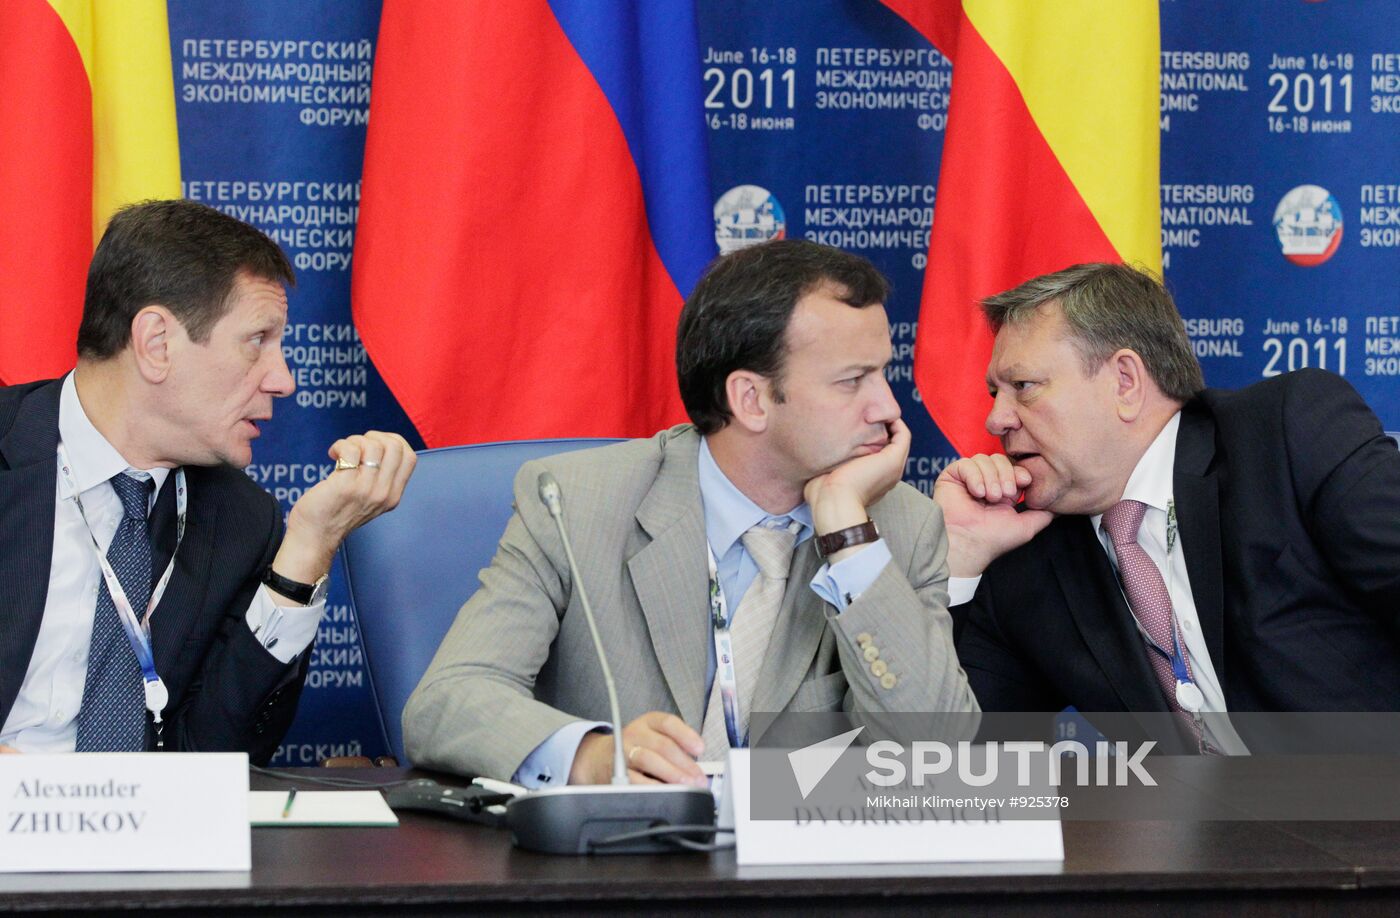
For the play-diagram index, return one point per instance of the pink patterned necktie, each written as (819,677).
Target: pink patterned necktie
(1147,594)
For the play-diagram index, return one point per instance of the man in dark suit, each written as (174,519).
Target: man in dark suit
(151,596)
(1181,549)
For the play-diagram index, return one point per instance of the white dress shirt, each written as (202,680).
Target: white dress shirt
(44,715)
(1151,484)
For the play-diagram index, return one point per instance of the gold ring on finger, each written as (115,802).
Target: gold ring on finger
(345,465)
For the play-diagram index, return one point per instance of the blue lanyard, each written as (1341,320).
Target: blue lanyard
(1189,696)
(138,630)
(724,656)
(725,676)
(1176,658)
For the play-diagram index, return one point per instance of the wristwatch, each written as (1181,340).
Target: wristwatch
(308,594)
(832,542)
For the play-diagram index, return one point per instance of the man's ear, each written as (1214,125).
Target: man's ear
(748,396)
(1130,383)
(152,331)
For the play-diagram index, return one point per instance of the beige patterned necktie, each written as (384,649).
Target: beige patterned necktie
(751,628)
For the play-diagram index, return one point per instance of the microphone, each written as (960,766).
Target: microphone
(552,496)
(617,818)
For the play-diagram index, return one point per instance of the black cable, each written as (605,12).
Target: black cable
(327,781)
(665,833)
(481,802)
(703,847)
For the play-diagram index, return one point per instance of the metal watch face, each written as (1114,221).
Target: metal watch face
(318,594)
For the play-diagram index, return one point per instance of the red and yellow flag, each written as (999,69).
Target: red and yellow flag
(87,117)
(1050,159)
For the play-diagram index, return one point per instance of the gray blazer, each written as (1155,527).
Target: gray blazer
(518,662)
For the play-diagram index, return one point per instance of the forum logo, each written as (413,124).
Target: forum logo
(746,215)
(1308,222)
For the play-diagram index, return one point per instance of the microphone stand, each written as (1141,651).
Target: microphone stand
(620,817)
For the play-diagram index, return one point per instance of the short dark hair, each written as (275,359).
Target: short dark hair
(737,316)
(177,254)
(1108,307)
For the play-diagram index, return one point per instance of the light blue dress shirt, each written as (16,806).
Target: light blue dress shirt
(728,515)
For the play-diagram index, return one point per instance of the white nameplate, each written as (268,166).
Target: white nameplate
(862,835)
(124,811)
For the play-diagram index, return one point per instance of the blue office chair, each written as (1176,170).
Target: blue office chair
(409,571)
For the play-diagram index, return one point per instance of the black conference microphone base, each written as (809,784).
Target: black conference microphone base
(580,819)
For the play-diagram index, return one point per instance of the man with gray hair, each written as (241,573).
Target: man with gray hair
(1178,548)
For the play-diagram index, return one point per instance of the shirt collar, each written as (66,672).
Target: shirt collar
(728,511)
(93,459)
(1151,481)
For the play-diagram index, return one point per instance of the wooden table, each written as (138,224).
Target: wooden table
(430,865)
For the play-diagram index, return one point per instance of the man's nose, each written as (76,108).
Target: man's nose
(884,407)
(278,381)
(1002,419)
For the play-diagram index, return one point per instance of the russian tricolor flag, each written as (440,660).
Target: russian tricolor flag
(535,206)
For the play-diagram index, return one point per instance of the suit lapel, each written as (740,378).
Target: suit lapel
(670,574)
(162,526)
(179,607)
(1096,603)
(1197,493)
(797,635)
(28,487)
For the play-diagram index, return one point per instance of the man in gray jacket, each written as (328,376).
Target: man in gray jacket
(765,557)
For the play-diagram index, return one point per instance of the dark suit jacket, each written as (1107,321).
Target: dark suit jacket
(226,692)
(1288,500)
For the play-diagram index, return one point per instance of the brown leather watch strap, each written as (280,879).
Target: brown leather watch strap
(832,542)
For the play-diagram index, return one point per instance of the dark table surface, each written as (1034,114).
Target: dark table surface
(431,865)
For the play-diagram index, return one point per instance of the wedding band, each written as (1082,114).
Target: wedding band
(345,465)
(370,464)
(633,754)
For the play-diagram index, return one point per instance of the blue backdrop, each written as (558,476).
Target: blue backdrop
(1280,193)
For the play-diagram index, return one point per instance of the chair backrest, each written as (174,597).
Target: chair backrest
(409,571)
(1394,435)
